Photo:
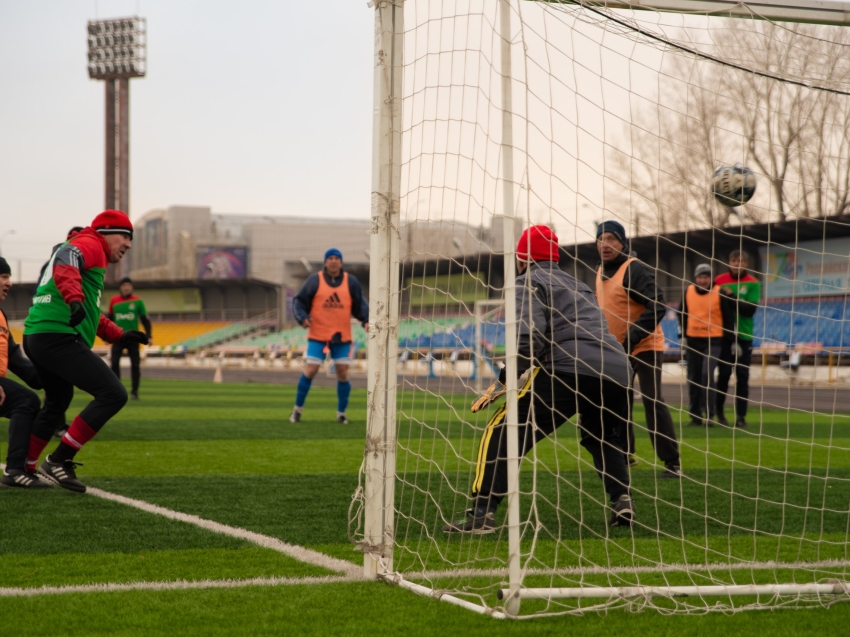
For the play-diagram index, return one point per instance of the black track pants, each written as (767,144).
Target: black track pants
(64,361)
(659,422)
(549,402)
(133,353)
(20,407)
(740,364)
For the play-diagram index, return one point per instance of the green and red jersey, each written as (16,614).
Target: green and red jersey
(75,273)
(127,311)
(747,290)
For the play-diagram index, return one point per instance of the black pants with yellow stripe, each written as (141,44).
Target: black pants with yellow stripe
(548,400)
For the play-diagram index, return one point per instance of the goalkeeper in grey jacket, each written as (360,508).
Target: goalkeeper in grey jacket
(573,365)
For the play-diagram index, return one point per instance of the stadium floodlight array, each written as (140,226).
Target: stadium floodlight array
(491,115)
(117,48)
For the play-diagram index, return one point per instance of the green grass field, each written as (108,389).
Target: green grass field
(226,453)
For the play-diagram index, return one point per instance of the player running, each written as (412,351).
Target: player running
(634,306)
(325,305)
(58,335)
(574,366)
(17,403)
(743,291)
(126,310)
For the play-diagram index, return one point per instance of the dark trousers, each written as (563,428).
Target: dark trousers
(20,407)
(63,362)
(548,402)
(740,364)
(703,357)
(133,353)
(659,422)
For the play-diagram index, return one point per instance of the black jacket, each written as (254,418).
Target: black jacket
(639,283)
(20,365)
(303,301)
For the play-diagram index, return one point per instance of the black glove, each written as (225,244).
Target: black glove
(134,336)
(78,314)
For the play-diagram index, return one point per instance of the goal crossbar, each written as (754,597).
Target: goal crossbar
(807,11)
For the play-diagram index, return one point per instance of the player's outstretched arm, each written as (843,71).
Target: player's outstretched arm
(109,331)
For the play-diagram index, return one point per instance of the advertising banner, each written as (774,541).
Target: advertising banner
(808,268)
(222,262)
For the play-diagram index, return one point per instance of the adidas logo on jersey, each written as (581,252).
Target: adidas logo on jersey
(333,302)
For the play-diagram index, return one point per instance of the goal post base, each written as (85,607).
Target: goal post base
(835,587)
(398,580)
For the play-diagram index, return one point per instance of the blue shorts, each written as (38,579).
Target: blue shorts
(340,352)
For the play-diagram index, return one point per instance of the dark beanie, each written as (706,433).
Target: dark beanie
(4,266)
(615,228)
(126,279)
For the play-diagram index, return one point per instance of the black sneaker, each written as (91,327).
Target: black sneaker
(473,524)
(62,473)
(134,396)
(340,418)
(740,423)
(696,422)
(22,480)
(295,416)
(671,471)
(622,512)
(721,420)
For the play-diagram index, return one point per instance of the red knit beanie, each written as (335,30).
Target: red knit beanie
(113,222)
(538,243)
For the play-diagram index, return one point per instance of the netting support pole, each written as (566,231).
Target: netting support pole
(511,431)
(380,454)
(479,350)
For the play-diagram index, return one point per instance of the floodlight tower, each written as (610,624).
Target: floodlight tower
(117,52)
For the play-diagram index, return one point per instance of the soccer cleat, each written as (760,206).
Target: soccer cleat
(622,512)
(340,418)
(22,480)
(295,416)
(474,524)
(632,460)
(62,473)
(671,471)
(740,423)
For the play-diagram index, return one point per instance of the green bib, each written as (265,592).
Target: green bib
(126,313)
(50,314)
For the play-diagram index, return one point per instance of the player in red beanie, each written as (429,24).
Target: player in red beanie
(58,335)
(570,369)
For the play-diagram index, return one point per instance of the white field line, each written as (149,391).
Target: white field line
(605,570)
(300,553)
(172,586)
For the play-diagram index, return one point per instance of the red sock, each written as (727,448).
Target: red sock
(78,434)
(37,445)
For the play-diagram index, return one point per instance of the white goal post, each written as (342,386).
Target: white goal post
(513,573)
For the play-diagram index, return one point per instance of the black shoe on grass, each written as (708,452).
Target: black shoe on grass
(62,473)
(474,522)
(22,480)
(740,423)
(671,472)
(295,416)
(134,396)
(622,512)
(340,418)
(721,420)
(696,422)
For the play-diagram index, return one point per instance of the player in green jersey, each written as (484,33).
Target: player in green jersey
(127,310)
(58,335)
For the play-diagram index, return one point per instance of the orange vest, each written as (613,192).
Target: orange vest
(621,311)
(4,346)
(331,311)
(705,318)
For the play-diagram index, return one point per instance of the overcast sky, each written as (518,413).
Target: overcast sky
(260,107)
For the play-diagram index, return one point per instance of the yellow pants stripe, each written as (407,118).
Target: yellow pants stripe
(495,420)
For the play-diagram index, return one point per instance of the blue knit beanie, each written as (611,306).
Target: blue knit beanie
(615,228)
(333,252)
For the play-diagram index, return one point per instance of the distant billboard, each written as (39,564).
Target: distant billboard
(222,262)
(448,289)
(807,268)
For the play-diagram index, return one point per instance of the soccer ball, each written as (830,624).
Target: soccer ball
(733,185)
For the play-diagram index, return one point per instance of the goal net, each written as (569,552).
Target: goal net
(495,115)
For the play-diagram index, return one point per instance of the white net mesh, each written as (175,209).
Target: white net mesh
(624,116)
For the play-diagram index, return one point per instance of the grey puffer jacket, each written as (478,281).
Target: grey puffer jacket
(561,327)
